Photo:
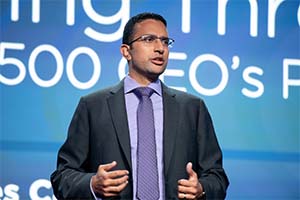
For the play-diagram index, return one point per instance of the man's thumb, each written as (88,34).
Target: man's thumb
(190,171)
(108,166)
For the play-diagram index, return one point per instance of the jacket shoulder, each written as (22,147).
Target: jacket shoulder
(183,96)
(102,94)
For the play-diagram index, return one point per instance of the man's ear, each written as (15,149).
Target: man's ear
(125,51)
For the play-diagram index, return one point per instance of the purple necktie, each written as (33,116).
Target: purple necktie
(147,174)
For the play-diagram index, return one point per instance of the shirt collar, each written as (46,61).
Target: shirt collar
(130,84)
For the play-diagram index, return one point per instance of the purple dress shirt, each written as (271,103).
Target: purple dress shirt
(132,102)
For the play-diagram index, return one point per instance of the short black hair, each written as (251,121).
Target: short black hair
(129,27)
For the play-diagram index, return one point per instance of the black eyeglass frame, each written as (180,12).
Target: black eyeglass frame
(144,38)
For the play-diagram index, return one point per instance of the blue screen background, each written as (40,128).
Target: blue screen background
(260,137)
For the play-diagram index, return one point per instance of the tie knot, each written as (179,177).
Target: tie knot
(143,91)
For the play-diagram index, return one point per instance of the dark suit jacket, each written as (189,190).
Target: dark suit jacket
(99,134)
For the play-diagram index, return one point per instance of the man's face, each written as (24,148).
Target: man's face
(147,60)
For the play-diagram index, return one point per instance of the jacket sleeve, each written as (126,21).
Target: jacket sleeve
(210,168)
(71,180)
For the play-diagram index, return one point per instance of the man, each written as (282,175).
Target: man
(102,155)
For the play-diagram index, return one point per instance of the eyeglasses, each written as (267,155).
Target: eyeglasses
(149,39)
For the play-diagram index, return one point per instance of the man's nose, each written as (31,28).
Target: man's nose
(159,46)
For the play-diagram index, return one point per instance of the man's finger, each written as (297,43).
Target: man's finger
(115,182)
(116,174)
(187,190)
(186,196)
(184,182)
(115,189)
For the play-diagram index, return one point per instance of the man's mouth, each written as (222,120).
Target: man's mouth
(157,61)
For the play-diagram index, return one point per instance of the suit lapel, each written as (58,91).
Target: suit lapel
(116,103)
(171,117)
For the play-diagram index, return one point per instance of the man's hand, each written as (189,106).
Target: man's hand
(108,182)
(191,188)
